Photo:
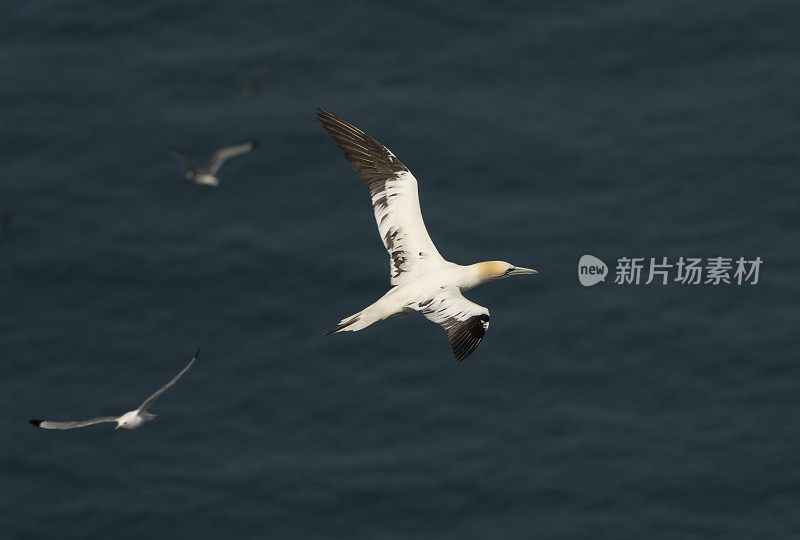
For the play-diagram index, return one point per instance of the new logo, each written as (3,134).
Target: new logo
(591,270)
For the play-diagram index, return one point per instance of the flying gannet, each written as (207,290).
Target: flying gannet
(206,176)
(131,419)
(422,279)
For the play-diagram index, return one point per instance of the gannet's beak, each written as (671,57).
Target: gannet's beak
(117,426)
(520,271)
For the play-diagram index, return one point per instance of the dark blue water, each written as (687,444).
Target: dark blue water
(538,132)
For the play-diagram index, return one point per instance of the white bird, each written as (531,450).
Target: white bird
(206,176)
(422,279)
(131,419)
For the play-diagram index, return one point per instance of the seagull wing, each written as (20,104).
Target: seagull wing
(183,158)
(394,198)
(45,424)
(465,322)
(149,401)
(224,154)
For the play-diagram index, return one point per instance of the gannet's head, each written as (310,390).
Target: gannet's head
(491,270)
(129,420)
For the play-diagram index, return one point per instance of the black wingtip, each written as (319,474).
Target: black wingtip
(35,422)
(197,353)
(254,145)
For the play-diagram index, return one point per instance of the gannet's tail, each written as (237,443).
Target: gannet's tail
(343,325)
(359,321)
(352,323)
(387,306)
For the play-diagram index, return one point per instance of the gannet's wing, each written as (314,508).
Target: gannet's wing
(224,154)
(149,401)
(466,322)
(394,198)
(185,160)
(45,424)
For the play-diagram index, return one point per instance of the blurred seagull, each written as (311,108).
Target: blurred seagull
(131,419)
(422,280)
(206,175)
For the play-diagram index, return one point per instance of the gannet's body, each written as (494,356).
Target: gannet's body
(422,279)
(206,176)
(129,420)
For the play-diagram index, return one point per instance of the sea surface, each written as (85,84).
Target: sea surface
(539,132)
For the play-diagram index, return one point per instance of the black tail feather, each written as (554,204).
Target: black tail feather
(342,326)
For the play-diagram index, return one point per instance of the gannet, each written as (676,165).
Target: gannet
(422,279)
(205,176)
(131,419)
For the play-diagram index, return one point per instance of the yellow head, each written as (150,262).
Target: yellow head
(491,270)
